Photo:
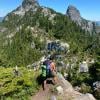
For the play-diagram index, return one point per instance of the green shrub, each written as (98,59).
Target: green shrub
(85,88)
(97,94)
(19,87)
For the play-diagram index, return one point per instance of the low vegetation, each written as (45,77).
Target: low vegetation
(17,86)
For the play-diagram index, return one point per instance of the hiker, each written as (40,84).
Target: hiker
(53,71)
(48,71)
(44,76)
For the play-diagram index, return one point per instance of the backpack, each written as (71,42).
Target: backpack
(43,70)
(48,67)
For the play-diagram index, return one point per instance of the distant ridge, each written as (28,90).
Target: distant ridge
(1,18)
(97,23)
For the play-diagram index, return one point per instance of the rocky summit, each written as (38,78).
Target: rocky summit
(27,3)
(26,6)
(74,14)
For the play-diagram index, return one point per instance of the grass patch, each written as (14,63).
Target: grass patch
(20,87)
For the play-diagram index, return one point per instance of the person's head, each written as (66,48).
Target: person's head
(52,59)
(43,63)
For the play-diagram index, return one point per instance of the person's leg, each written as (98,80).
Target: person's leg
(44,87)
(44,83)
(54,77)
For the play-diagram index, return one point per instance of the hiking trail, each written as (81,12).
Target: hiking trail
(66,92)
(43,94)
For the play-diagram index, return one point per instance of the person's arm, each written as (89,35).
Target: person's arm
(54,66)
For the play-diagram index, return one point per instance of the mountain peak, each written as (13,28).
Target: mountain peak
(26,3)
(73,13)
(26,6)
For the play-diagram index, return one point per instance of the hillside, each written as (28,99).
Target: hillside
(98,29)
(1,18)
(98,23)
(98,26)
(30,19)
(32,32)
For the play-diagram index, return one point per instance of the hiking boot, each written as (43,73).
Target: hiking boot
(53,82)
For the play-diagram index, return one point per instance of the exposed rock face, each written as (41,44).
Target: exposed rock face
(85,97)
(74,14)
(57,45)
(47,12)
(27,5)
(33,6)
(69,93)
(96,85)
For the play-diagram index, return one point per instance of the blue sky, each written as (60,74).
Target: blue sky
(89,9)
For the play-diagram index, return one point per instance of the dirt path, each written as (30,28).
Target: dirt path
(43,95)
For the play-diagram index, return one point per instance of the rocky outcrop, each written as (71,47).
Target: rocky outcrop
(63,90)
(27,3)
(69,93)
(26,6)
(83,67)
(85,97)
(74,14)
(32,6)
(96,85)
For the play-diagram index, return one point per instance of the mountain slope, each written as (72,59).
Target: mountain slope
(63,90)
(98,23)
(24,36)
(26,30)
(1,18)
(98,26)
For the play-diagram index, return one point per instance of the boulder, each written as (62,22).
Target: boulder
(53,97)
(59,89)
(83,67)
(85,97)
(96,85)
(68,91)
(64,83)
